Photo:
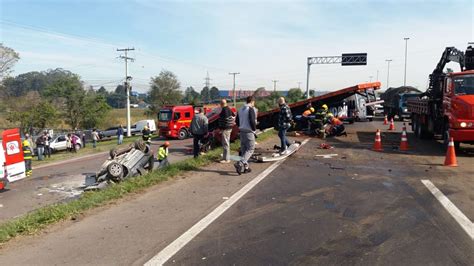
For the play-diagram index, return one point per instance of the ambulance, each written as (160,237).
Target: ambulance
(12,165)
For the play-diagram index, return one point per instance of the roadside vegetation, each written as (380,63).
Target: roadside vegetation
(42,217)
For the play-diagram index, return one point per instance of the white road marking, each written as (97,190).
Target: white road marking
(462,220)
(173,248)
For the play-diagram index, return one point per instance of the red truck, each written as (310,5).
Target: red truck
(446,109)
(174,121)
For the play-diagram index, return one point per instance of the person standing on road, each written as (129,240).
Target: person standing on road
(120,135)
(199,130)
(247,121)
(226,122)
(162,154)
(27,155)
(146,134)
(285,119)
(95,138)
(40,141)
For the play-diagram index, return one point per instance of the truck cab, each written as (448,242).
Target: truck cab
(175,121)
(458,107)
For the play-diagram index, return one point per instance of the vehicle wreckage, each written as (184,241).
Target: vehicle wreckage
(137,159)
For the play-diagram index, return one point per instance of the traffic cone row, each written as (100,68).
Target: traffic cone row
(385,120)
(450,159)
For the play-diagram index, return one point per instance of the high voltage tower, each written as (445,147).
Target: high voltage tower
(208,81)
(126,84)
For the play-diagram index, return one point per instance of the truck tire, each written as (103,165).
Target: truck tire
(182,134)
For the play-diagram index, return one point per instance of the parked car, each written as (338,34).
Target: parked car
(59,143)
(110,132)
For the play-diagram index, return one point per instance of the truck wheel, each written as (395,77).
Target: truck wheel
(182,134)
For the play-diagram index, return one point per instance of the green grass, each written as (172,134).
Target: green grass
(39,219)
(103,146)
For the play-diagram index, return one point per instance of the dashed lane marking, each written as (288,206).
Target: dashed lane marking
(462,220)
(173,248)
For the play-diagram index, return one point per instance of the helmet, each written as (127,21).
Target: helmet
(25,143)
(325,107)
(145,127)
(330,115)
(311,109)
(166,144)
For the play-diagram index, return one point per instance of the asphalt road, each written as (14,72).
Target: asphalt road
(63,181)
(356,207)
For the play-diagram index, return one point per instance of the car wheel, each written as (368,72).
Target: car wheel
(115,171)
(77,147)
(182,134)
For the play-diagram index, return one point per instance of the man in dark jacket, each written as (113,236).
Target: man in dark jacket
(247,121)
(120,135)
(40,141)
(199,130)
(226,122)
(285,118)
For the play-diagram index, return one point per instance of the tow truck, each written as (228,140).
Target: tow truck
(446,108)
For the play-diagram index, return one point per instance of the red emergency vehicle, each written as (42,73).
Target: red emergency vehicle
(12,165)
(174,121)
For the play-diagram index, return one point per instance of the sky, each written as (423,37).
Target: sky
(263,40)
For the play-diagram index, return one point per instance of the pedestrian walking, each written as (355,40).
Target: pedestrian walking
(247,121)
(27,155)
(162,154)
(120,135)
(199,130)
(285,119)
(95,138)
(47,142)
(226,123)
(40,141)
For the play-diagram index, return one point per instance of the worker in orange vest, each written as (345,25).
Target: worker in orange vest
(337,126)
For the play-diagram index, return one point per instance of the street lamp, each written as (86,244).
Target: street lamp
(406,47)
(388,70)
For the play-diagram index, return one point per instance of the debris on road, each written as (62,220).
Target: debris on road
(325,146)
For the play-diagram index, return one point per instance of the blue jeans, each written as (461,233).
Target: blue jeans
(120,139)
(284,141)
(40,150)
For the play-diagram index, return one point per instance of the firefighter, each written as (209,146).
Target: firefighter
(146,135)
(308,112)
(27,155)
(336,127)
(320,118)
(162,154)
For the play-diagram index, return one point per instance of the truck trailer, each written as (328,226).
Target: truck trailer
(446,109)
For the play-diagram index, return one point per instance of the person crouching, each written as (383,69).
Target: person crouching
(162,155)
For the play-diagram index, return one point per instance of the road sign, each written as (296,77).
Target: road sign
(358,59)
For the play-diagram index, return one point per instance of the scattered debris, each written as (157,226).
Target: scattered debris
(325,146)
(327,156)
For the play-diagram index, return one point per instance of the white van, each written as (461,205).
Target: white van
(140,125)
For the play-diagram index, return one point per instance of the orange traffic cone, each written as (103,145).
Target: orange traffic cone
(385,120)
(378,142)
(404,128)
(404,141)
(392,125)
(450,155)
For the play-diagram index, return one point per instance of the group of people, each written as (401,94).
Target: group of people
(322,122)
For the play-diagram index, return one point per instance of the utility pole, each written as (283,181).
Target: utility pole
(299,85)
(126,83)
(405,75)
(233,90)
(274,85)
(370,78)
(388,70)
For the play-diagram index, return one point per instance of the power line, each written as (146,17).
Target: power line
(208,81)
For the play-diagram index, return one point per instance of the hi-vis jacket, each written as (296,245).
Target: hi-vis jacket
(162,153)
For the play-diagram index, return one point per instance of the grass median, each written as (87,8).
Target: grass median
(33,222)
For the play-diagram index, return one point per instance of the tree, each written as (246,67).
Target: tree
(214,93)
(102,91)
(120,89)
(294,95)
(259,92)
(164,90)
(94,110)
(191,96)
(8,58)
(205,95)
(312,93)
(30,111)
